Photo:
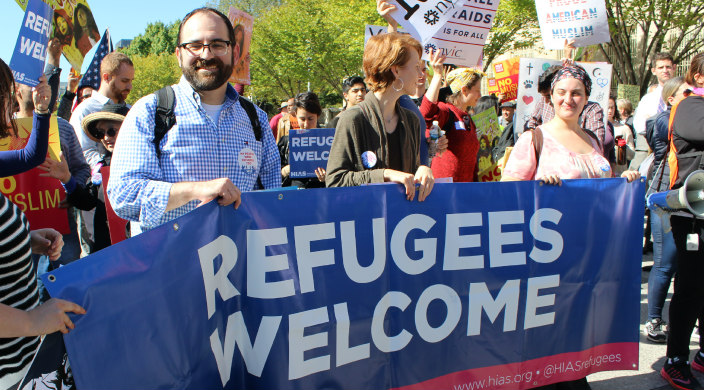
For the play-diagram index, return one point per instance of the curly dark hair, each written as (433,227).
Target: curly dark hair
(545,80)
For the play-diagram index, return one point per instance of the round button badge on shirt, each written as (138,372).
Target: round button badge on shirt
(369,159)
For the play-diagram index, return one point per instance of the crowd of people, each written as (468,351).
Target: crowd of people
(215,144)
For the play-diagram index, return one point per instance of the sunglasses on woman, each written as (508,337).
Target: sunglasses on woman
(111,132)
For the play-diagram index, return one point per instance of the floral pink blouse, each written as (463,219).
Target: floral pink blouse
(555,159)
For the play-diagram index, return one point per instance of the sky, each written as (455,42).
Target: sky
(125,18)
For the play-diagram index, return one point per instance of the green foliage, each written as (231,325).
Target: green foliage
(641,28)
(151,73)
(256,8)
(304,41)
(158,38)
(515,27)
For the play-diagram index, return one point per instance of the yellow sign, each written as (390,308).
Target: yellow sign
(24,129)
(74,26)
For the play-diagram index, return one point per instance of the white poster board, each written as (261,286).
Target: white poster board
(532,68)
(585,21)
(423,18)
(462,38)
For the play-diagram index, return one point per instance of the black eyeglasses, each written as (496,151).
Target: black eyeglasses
(217,47)
(111,132)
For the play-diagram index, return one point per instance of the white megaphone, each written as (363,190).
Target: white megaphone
(690,196)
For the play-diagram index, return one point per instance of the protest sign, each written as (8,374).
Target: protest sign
(38,197)
(506,76)
(243,24)
(28,59)
(528,96)
(585,21)
(629,92)
(461,39)
(308,150)
(492,87)
(371,30)
(357,288)
(74,27)
(488,132)
(422,18)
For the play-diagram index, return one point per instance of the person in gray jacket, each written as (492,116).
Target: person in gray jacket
(377,140)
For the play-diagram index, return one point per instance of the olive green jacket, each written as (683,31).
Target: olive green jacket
(361,129)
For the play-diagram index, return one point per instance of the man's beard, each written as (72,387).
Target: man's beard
(208,82)
(120,95)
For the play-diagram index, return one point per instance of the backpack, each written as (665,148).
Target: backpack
(505,140)
(165,118)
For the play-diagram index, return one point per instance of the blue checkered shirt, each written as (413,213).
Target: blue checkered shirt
(195,149)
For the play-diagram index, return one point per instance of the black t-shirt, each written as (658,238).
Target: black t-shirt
(394,141)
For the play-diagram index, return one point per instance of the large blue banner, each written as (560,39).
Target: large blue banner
(27,61)
(498,285)
(308,150)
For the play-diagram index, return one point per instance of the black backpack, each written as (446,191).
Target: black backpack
(165,118)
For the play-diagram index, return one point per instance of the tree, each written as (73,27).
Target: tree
(256,8)
(306,41)
(151,73)
(158,38)
(515,27)
(641,28)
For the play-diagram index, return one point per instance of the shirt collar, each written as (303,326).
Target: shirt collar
(102,99)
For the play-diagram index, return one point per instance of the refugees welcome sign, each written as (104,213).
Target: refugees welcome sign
(512,285)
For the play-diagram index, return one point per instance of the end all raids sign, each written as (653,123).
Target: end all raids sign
(27,62)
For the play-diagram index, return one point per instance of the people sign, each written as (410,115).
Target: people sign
(27,62)
(309,150)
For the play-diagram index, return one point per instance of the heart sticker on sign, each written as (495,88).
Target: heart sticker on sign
(527,99)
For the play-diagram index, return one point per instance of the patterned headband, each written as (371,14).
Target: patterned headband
(460,77)
(573,72)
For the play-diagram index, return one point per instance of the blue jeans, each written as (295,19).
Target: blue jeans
(664,253)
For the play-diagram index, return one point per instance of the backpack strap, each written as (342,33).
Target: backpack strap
(164,118)
(537,135)
(253,117)
(595,138)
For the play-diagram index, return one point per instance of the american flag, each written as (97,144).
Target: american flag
(92,76)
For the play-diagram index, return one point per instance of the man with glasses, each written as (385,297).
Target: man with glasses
(353,92)
(211,151)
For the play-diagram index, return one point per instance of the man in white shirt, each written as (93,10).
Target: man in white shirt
(663,67)
(116,75)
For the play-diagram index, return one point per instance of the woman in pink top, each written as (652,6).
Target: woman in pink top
(568,151)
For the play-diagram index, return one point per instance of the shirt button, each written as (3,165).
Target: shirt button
(224,169)
(223,139)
